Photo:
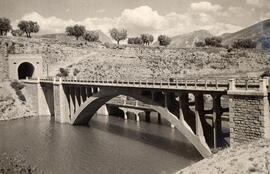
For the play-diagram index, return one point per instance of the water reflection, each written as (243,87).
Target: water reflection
(108,145)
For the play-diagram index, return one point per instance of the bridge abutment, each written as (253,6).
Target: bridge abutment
(248,113)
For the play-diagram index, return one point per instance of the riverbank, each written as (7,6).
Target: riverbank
(251,157)
(12,105)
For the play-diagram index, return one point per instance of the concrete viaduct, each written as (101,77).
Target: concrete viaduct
(75,101)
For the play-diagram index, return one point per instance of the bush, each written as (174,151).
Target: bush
(265,74)
(200,44)
(63,72)
(135,40)
(91,36)
(76,71)
(76,30)
(164,40)
(213,41)
(17,85)
(244,43)
(20,95)
(17,32)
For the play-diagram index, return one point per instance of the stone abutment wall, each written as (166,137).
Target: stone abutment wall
(249,114)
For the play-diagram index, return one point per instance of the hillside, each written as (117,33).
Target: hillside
(63,37)
(255,32)
(125,61)
(188,40)
(242,159)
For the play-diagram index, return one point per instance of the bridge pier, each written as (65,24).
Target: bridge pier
(147,116)
(61,105)
(217,124)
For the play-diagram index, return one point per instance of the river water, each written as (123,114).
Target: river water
(110,145)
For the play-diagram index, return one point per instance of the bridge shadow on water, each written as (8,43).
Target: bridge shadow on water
(175,143)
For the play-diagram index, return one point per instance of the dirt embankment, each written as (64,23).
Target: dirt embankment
(126,61)
(242,159)
(12,103)
(154,63)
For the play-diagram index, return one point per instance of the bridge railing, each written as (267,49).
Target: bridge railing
(211,84)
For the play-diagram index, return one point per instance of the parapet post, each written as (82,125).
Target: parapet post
(232,85)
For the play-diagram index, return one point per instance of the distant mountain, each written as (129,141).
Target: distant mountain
(63,37)
(256,32)
(189,39)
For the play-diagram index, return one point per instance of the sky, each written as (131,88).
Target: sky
(170,17)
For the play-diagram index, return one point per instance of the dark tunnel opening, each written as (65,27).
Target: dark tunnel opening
(25,69)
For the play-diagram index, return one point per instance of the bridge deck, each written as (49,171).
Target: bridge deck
(219,85)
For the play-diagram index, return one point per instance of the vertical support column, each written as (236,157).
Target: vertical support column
(180,107)
(137,117)
(159,118)
(76,98)
(72,108)
(61,109)
(199,128)
(147,116)
(125,115)
(216,120)
(81,95)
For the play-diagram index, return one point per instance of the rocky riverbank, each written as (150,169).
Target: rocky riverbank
(11,104)
(242,159)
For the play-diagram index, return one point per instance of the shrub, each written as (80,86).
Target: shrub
(135,40)
(244,43)
(17,85)
(164,40)
(91,36)
(63,72)
(200,44)
(265,74)
(17,32)
(76,30)
(20,95)
(213,41)
(76,71)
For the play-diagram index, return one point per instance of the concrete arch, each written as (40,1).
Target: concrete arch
(25,69)
(87,109)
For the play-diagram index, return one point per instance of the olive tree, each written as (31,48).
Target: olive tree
(28,27)
(76,30)
(147,38)
(213,41)
(91,36)
(118,34)
(5,26)
(164,40)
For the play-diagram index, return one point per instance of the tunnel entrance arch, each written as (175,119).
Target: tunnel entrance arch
(21,66)
(25,69)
